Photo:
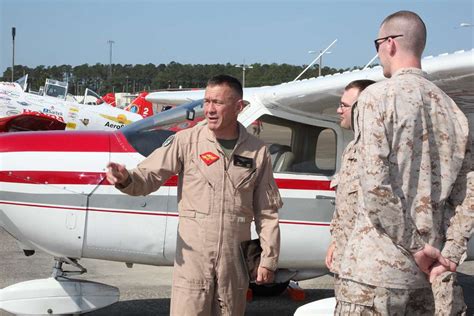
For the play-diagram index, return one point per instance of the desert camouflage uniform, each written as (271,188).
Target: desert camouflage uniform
(346,183)
(447,291)
(218,196)
(412,149)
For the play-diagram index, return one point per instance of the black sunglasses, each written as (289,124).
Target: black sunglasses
(379,41)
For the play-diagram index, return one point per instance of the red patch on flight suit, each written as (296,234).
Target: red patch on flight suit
(209,158)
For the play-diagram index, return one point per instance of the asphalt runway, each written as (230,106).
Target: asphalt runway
(145,290)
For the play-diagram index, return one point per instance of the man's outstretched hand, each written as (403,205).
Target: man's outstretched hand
(116,173)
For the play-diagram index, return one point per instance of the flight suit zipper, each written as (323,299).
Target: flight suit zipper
(226,161)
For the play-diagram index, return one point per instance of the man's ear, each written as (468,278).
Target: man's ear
(353,120)
(393,47)
(240,105)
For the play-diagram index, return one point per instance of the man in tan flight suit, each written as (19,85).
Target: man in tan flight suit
(346,183)
(225,181)
(413,156)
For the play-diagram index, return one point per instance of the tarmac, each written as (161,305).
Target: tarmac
(145,290)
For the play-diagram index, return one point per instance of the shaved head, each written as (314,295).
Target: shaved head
(411,26)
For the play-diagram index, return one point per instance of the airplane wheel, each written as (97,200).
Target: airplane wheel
(273,289)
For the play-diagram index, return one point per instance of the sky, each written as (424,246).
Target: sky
(75,32)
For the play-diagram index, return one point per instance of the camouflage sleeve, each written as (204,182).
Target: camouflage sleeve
(461,224)
(267,201)
(334,227)
(380,202)
(152,172)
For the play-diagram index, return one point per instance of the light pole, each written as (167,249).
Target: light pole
(110,57)
(320,59)
(13,54)
(243,66)
(316,59)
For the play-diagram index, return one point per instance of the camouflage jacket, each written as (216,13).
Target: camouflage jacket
(413,156)
(346,183)
(461,226)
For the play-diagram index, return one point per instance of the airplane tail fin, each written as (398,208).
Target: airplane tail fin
(109,98)
(141,106)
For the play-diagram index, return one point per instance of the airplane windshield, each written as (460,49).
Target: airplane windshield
(149,134)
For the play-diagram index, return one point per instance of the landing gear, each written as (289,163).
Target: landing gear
(59,294)
(58,271)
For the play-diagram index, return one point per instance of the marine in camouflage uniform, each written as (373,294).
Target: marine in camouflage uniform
(345,182)
(413,153)
(447,291)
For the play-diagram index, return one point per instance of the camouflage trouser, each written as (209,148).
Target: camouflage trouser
(448,295)
(361,299)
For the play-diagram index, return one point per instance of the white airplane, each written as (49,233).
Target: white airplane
(54,196)
(53,109)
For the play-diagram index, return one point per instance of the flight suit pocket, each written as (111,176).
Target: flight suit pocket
(247,181)
(192,284)
(197,192)
(273,197)
(187,213)
(244,193)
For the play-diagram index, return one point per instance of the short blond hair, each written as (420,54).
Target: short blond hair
(411,26)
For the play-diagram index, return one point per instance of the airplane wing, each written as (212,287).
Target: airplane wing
(174,97)
(454,73)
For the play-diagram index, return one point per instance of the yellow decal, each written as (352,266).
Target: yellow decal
(121,118)
(71,125)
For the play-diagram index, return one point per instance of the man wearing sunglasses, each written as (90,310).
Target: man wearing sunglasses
(412,160)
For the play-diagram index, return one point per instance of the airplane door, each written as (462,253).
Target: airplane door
(48,217)
(125,228)
(304,159)
(46,179)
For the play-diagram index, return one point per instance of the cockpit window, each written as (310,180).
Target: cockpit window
(56,92)
(149,134)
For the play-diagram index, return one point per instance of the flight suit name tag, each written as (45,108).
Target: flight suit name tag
(245,162)
(209,158)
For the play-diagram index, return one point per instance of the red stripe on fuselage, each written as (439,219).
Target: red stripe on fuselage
(85,178)
(85,141)
(68,208)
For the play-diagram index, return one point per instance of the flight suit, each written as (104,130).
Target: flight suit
(413,155)
(218,197)
(346,183)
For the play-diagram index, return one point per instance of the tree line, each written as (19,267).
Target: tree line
(134,78)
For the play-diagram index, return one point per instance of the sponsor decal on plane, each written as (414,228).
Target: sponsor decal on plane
(13,112)
(121,119)
(53,116)
(52,111)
